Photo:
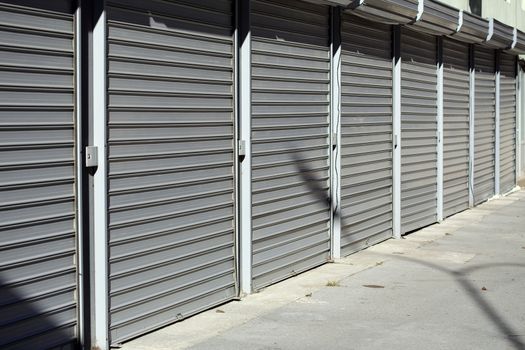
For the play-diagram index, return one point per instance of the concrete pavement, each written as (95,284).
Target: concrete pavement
(455,285)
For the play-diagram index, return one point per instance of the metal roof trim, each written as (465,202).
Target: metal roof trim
(385,11)
(518,44)
(436,18)
(471,29)
(500,36)
(343,3)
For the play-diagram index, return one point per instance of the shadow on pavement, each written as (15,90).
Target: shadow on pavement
(491,313)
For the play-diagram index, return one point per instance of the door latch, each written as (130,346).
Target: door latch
(242,148)
(91,156)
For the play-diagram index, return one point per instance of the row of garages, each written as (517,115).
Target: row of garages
(231,145)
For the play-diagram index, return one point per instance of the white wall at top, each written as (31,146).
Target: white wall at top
(510,12)
(459,4)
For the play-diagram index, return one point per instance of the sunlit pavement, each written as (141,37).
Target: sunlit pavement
(455,285)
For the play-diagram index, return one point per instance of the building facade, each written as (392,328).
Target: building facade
(158,158)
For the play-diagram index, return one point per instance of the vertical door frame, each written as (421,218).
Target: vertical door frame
(335,127)
(396,131)
(519,118)
(497,77)
(99,256)
(243,47)
(236,150)
(439,129)
(472,113)
(79,171)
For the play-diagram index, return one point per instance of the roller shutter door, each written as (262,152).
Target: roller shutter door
(507,122)
(418,130)
(38,236)
(171,161)
(290,138)
(456,89)
(366,142)
(484,124)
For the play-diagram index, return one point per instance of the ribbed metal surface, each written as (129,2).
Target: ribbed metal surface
(455,126)
(519,46)
(473,29)
(500,35)
(38,275)
(366,140)
(507,122)
(484,124)
(290,134)
(171,161)
(437,18)
(386,11)
(418,130)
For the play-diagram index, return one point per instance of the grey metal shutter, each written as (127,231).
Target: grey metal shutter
(290,138)
(507,122)
(484,124)
(366,140)
(38,236)
(418,130)
(456,89)
(171,161)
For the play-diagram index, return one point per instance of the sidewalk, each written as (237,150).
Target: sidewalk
(455,285)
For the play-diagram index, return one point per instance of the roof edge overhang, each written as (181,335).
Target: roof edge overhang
(436,18)
(518,44)
(471,29)
(500,36)
(342,3)
(385,11)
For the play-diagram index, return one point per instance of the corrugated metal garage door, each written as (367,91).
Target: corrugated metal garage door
(507,122)
(171,161)
(418,130)
(455,126)
(366,140)
(38,237)
(484,124)
(290,138)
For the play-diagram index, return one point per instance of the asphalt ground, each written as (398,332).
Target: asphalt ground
(459,284)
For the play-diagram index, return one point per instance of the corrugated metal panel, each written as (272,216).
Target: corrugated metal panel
(386,11)
(484,124)
(472,28)
(518,47)
(507,122)
(38,275)
(290,135)
(418,130)
(500,36)
(436,18)
(171,161)
(366,140)
(455,126)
